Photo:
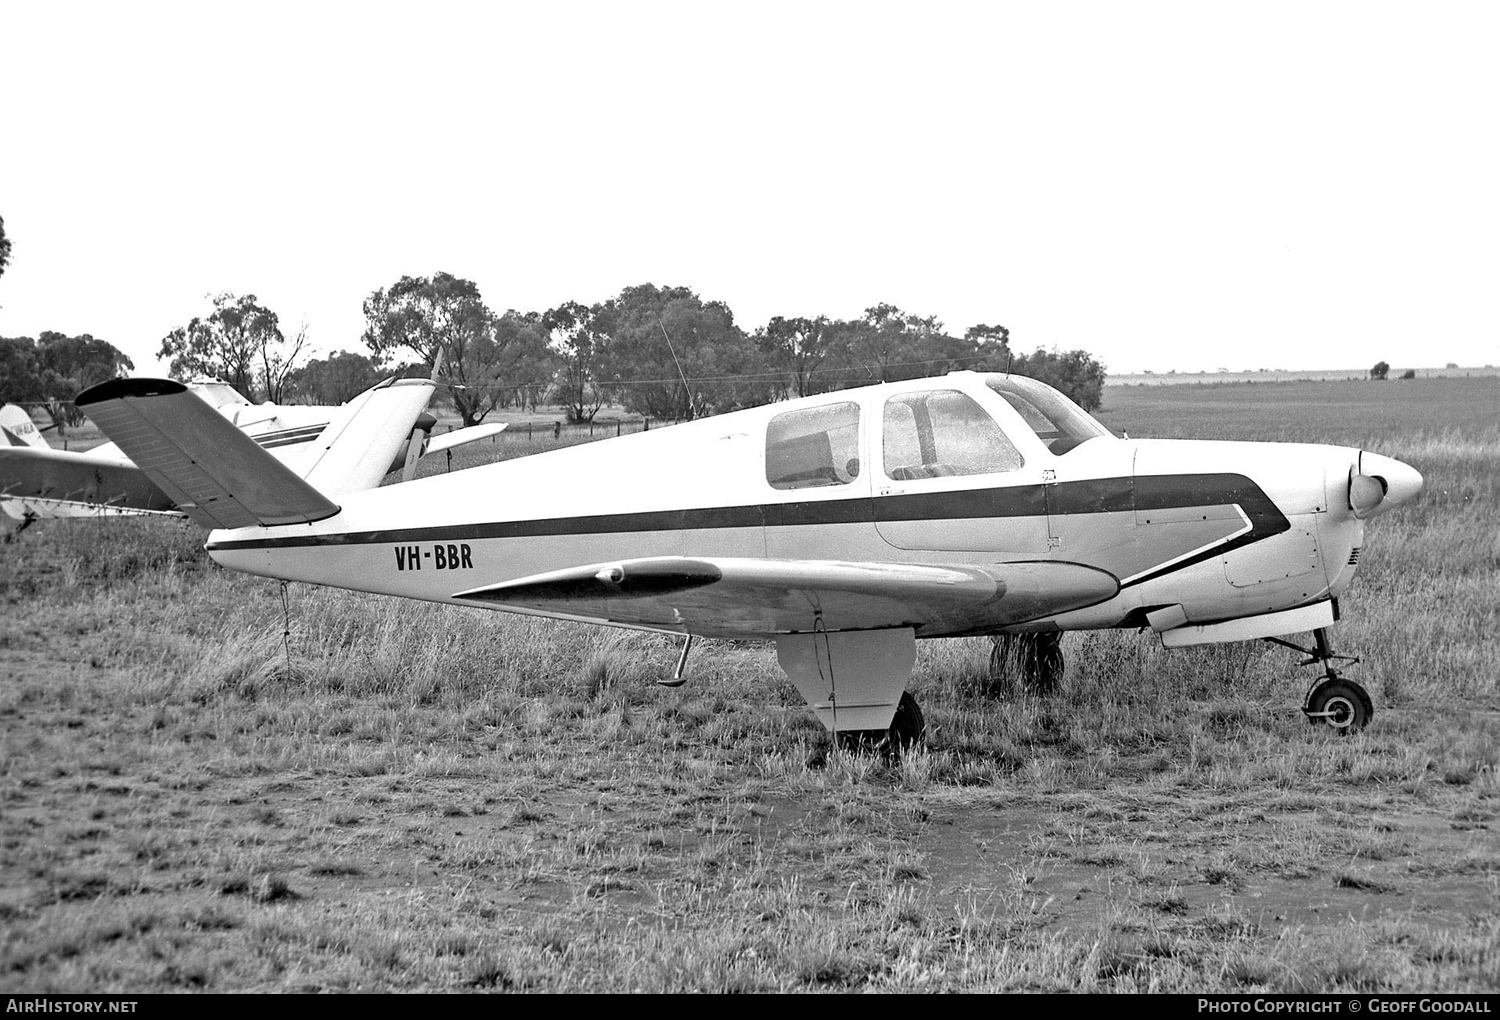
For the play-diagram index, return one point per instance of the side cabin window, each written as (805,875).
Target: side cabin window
(936,433)
(813,446)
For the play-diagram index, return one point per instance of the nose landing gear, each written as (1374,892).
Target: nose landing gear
(1333,700)
(1341,704)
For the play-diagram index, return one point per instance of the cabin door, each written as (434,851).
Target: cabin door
(947,478)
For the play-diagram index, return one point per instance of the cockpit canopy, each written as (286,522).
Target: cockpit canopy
(216,393)
(930,428)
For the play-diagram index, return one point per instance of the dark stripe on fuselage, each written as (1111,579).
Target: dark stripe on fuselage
(290,437)
(1164,492)
(1081,498)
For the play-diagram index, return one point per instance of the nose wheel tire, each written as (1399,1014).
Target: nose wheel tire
(1341,705)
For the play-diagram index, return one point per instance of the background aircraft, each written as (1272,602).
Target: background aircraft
(843,527)
(38,481)
(17,428)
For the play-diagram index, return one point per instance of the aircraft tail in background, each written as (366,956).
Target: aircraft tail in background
(360,444)
(17,428)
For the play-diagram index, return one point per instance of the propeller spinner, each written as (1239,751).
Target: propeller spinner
(1377,484)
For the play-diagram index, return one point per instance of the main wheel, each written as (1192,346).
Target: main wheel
(1035,660)
(1045,662)
(1342,705)
(907,725)
(906,730)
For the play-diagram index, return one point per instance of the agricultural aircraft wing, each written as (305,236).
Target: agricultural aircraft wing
(729,597)
(462,437)
(428,444)
(64,483)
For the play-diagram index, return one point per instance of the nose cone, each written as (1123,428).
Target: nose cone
(1399,483)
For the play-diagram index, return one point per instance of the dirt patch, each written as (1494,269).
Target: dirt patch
(998,858)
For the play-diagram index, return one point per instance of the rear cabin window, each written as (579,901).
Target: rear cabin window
(937,433)
(813,446)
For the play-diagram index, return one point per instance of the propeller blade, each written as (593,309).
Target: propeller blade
(414,445)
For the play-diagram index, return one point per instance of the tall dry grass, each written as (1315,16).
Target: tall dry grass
(202,789)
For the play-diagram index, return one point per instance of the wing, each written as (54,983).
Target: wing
(739,597)
(462,437)
(42,473)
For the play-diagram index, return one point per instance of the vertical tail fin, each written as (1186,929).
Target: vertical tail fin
(17,428)
(357,448)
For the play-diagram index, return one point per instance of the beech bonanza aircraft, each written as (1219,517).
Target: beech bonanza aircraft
(843,527)
(38,481)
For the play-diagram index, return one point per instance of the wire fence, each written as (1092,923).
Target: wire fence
(597,427)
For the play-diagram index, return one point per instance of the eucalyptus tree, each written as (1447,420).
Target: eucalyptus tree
(440,317)
(576,335)
(241,342)
(336,379)
(797,348)
(673,355)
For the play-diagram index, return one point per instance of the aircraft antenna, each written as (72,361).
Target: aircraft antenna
(680,373)
(833,697)
(286,634)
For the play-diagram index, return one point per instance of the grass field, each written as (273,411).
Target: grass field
(203,787)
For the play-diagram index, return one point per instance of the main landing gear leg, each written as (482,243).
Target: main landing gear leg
(1035,660)
(1334,701)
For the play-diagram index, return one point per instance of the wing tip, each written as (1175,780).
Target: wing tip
(116,389)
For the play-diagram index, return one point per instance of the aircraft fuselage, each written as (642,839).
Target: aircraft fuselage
(1194,532)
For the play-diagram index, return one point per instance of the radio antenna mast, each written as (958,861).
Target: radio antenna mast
(687,390)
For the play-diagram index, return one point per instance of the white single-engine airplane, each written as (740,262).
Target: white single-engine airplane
(38,481)
(843,527)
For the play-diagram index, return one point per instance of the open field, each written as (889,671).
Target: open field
(205,788)
(1376,415)
(1283,375)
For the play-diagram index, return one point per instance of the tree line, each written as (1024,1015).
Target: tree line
(52,369)
(666,352)
(663,352)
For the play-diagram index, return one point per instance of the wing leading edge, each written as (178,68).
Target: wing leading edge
(741,597)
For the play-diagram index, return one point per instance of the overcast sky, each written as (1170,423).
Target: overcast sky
(1166,185)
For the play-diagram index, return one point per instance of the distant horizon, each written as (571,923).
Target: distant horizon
(1298,374)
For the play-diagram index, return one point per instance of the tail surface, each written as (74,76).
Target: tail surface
(222,478)
(362,440)
(17,428)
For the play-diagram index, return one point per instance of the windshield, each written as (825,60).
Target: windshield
(1056,420)
(216,393)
